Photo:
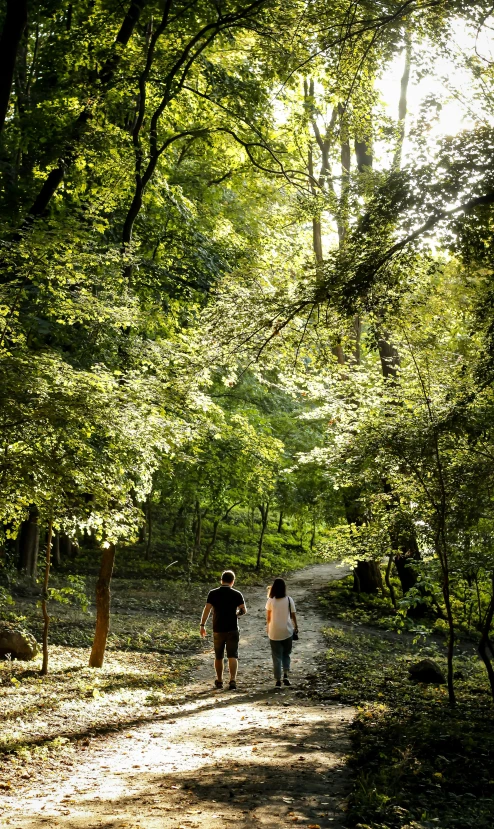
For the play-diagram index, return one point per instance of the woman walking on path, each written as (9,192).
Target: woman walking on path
(281,625)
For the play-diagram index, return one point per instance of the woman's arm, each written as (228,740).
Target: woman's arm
(294,620)
(268,617)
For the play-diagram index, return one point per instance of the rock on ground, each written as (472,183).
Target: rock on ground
(16,643)
(428,672)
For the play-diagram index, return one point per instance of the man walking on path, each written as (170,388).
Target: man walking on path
(227,605)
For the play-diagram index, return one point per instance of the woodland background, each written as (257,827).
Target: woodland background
(247,305)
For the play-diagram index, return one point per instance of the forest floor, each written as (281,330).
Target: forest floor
(123,748)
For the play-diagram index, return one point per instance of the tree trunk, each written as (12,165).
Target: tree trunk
(280,522)
(363,154)
(345,159)
(149,532)
(317,240)
(13,29)
(177,520)
(214,537)
(451,640)
(388,580)
(367,577)
(198,529)
(406,573)
(264,510)
(403,103)
(65,545)
(57,561)
(313,536)
(390,358)
(102,607)
(44,600)
(29,543)
(141,533)
(210,545)
(484,643)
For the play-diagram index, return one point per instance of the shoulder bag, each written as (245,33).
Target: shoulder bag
(295,632)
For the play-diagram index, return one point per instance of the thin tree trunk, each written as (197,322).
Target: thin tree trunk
(403,103)
(212,542)
(177,520)
(149,533)
(280,522)
(357,328)
(345,159)
(198,529)
(484,643)
(264,510)
(102,607)
(214,537)
(13,29)
(387,579)
(56,550)
(44,599)
(451,641)
(313,536)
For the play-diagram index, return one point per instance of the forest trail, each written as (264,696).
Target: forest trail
(252,758)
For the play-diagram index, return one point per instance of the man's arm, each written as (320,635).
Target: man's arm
(241,609)
(205,616)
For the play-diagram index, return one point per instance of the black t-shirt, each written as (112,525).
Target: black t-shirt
(225,601)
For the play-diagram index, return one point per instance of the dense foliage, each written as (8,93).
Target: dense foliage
(240,285)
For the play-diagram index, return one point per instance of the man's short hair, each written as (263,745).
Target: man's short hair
(228,576)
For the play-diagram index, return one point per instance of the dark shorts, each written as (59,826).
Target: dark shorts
(228,640)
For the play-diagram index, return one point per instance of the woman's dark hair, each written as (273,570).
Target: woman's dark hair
(278,589)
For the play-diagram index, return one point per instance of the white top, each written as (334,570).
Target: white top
(280,626)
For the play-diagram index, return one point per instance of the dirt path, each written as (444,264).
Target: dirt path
(257,757)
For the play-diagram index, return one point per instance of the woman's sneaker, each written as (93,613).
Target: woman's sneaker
(218,683)
(286,681)
(278,683)
(232,686)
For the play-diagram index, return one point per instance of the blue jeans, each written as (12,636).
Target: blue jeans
(280,651)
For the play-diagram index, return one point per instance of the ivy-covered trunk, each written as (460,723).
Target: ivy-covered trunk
(102,607)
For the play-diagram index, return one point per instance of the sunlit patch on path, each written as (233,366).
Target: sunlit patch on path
(257,757)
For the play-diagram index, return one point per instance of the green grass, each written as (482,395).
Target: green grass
(235,549)
(340,601)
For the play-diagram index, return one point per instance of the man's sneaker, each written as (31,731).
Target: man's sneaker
(286,681)
(232,686)
(278,683)
(218,683)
